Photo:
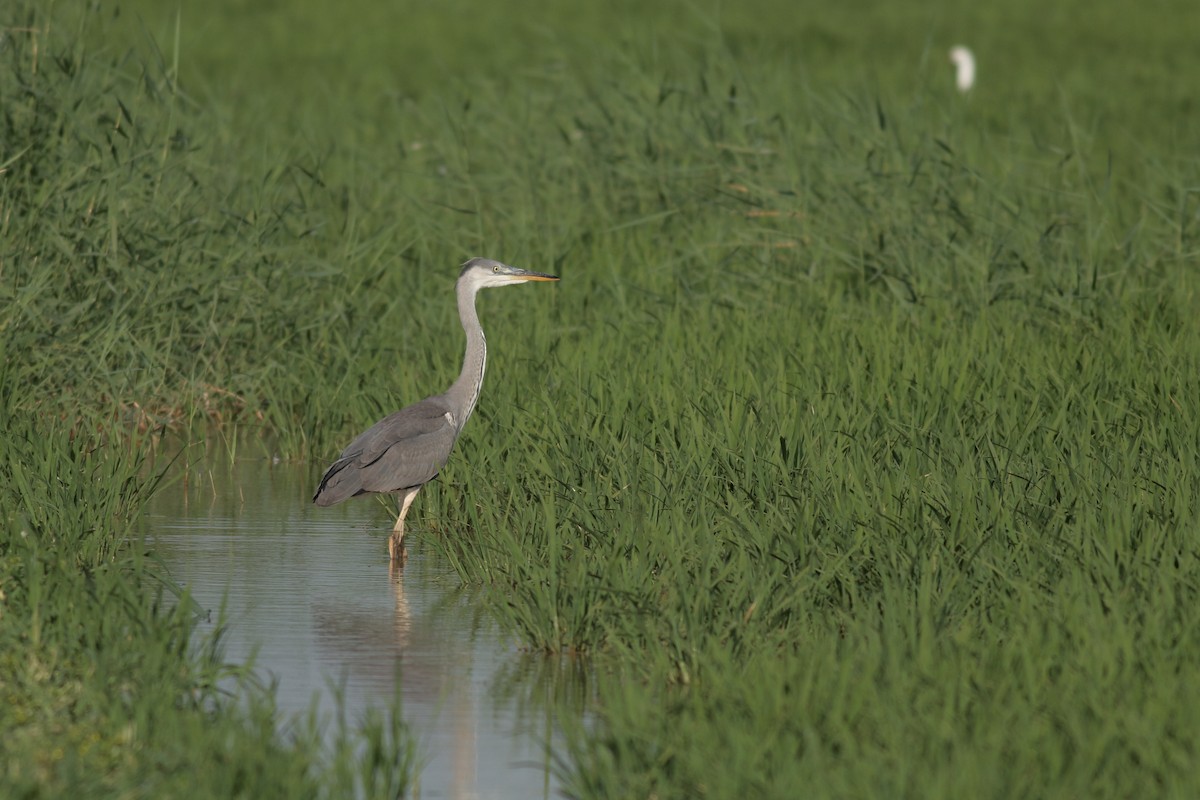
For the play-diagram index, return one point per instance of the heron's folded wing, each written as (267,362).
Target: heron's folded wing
(427,416)
(404,449)
(412,461)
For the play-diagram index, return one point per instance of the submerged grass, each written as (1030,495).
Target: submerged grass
(858,445)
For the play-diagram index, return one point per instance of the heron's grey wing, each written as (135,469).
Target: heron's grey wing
(431,415)
(402,450)
(411,461)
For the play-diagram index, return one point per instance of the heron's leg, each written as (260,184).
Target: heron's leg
(396,540)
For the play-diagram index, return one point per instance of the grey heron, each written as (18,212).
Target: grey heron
(406,450)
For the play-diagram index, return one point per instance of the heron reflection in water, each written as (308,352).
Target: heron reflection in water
(406,450)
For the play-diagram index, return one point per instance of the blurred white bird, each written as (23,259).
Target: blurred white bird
(964,67)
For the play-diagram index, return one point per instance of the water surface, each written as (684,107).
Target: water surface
(309,594)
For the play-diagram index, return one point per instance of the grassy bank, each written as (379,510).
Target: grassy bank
(113,227)
(105,691)
(858,445)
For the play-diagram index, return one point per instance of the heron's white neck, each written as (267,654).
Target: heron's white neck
(464,394)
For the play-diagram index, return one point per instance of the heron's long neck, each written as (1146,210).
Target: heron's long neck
(465,392)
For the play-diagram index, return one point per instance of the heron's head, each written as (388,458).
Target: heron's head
(481,273)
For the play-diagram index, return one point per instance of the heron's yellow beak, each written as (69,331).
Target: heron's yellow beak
(540,277)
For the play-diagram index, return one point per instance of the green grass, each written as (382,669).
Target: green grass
(857,448)
(105,692)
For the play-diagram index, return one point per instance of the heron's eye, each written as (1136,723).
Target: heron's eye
(495,269)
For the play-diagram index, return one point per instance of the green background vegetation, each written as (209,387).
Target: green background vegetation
(858,447)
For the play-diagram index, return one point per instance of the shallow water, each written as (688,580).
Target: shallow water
(309,594)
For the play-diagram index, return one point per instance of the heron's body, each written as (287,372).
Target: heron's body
(402,451)
(405,450)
